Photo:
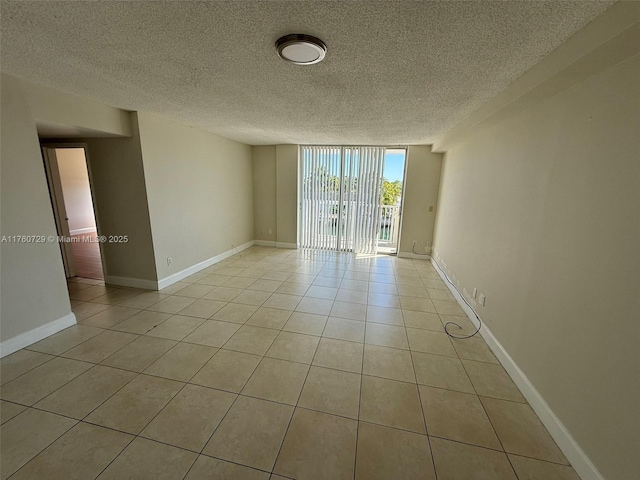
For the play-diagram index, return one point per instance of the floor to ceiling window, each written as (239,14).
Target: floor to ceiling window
(345,200)
(391,199)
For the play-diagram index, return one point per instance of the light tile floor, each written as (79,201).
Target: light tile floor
(271,364)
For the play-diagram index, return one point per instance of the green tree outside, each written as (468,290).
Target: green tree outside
(391,191)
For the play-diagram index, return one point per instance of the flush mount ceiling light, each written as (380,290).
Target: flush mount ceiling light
(301,49)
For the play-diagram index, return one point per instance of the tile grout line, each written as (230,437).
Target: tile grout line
(230,407)
(490,421)
(355,460)
(275,462)
(45,447)
(424,420)
(335,266)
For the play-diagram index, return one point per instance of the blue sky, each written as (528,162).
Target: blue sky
(394,159)
(394,165)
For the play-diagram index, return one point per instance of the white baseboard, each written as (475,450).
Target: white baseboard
(579,460)
(286,245)
(176,277)
(265,243)
(270,243)
(32,336)
(79,231)
(131,282)
(417,256)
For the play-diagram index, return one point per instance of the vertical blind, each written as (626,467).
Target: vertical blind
(341,197)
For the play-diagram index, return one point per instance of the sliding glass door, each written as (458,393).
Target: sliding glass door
(340,191)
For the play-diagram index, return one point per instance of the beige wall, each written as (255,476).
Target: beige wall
(541,213)
(264,192)
(199,189)
(76,191)
(34,290)
(275,194)
(121,205)
(54,106)
(196,188)
(275,190)
(287,194)
(422,180)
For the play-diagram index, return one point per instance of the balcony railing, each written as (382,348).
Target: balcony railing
(389,226)
(324,232)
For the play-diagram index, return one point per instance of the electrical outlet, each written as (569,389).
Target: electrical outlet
(270,231)
(481,299)
(169,261)
(475,292)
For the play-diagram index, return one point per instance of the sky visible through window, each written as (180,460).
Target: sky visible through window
(394,159)
(394,164)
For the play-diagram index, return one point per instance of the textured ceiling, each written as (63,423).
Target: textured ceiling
(396,72)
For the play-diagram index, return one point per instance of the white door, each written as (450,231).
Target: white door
(59,210)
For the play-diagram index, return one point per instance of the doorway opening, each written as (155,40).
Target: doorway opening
(350,198)
(73,207)
(392,190)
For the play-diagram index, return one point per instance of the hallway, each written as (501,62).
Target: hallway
(86,256)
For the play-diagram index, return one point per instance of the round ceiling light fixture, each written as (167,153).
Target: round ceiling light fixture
(301,49)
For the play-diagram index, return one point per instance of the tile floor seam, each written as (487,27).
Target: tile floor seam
(295,407)
(70,348)
(263,355)
(158,413)
(56,389)
(511,465)
(468,444)
(485,410)
(500,440)
(81,419)
(161,442)
(15,403)
(467,393)
(424,417)
(116,351)
(120,453)
(133,437)
(355,460)
(325,271)
(539,459)
(495,432)
(30,370)
(46,446)
(236,463)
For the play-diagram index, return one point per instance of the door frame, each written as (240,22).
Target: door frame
(402,195)
(59,208)
(53,176)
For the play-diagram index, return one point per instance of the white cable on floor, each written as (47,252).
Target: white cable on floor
(460,337)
